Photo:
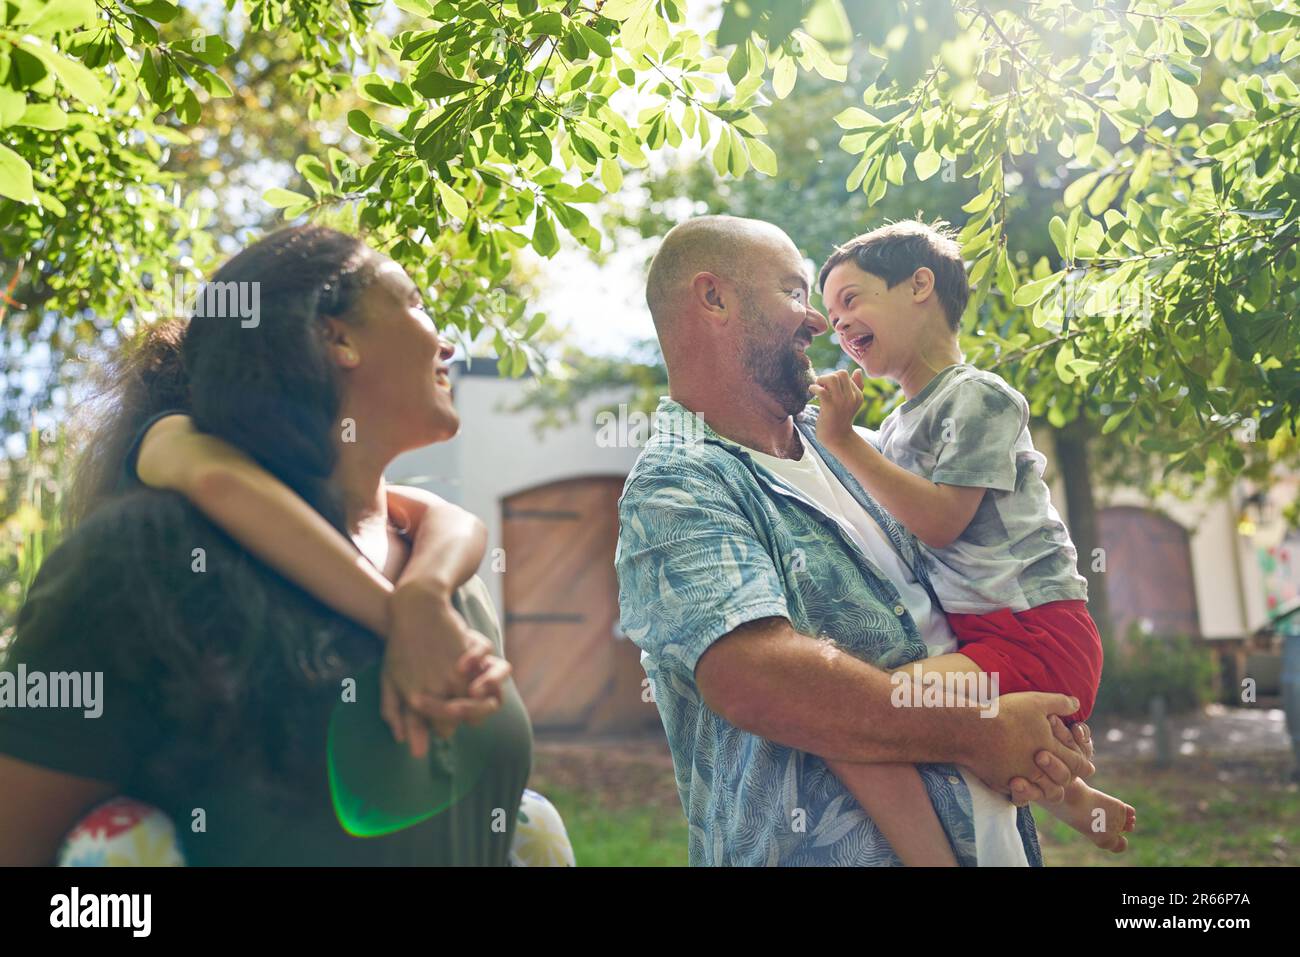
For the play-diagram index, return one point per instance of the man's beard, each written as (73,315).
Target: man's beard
(780,370)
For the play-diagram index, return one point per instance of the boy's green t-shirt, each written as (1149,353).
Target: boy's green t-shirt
(243,765)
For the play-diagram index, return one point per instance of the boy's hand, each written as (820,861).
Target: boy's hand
(841,396)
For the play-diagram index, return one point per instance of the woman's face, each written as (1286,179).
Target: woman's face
(397,370)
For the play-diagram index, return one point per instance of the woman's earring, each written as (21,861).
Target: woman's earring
(350,357)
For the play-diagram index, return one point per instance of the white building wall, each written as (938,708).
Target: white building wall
(499,453)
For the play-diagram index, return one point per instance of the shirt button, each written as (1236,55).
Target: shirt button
(952,779)
(899,609)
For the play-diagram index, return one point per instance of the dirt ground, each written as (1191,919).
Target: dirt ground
(616,773)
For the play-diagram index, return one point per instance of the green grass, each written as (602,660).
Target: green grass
(1199,812)
(645,836)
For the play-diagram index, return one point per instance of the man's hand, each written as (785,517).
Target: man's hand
(1028,745)
(1078,737)
(840,396)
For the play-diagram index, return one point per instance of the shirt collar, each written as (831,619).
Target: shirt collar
(675,420)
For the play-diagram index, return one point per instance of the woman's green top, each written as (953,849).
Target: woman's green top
(245,709)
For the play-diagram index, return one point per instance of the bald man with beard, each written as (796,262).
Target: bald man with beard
(769,594)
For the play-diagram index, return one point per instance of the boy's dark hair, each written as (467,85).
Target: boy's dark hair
(895,251)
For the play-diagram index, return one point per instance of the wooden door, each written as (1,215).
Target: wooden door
(1148,571)
(574,669)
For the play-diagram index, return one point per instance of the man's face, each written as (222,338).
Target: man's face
(778,324)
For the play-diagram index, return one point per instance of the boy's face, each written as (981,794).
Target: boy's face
(878,327)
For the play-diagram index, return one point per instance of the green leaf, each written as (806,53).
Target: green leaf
(159,11)
(313,170)
(213,83)
(279,198)
(1081,368)
(821,61)
(1113,421)
(1032,292)
(1158,90)
(827,21)
(980,201)
(375,88)
(63,16)
(784,76)
(211,49)
(544,239)
(895,167)
(43,116)
(1182,100)
(15,177)
(360,123)
(535,325)
(611,175)
(855,119)
(1274,20)
(859,172)
(79,81)
(1076,191)
(762,157)
(13,104)
(738,65)
(549,24)
(738,158)
(1064,359)
(722,153)
(596,41)
(1056,228)
(454,202)
(435,85)
(52,203)
(926,164)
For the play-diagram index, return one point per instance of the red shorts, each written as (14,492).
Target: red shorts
(1054,647)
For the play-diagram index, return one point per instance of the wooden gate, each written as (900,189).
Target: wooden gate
(574,669)
(1148,571)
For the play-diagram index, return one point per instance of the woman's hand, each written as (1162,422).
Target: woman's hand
(840,397)
(437,671)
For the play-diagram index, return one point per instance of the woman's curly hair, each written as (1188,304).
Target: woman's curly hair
(237,647)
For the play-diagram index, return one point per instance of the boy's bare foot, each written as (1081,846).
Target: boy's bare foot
(1096,815)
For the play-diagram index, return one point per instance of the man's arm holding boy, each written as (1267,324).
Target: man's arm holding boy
(698,584)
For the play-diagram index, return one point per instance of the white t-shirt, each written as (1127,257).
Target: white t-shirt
(997,841)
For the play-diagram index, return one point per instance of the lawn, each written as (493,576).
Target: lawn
(1203,812)
(621,809)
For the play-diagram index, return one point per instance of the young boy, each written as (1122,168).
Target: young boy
(956,466)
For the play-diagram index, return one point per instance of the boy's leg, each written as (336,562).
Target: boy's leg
(894,796)
(1098,816)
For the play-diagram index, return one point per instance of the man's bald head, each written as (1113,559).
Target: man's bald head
(725,246)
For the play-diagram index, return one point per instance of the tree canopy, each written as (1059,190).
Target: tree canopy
(461,132)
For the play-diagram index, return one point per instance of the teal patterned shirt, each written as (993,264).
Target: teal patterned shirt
(709,540)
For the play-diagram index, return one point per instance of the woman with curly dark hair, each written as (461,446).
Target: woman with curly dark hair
(254,715)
